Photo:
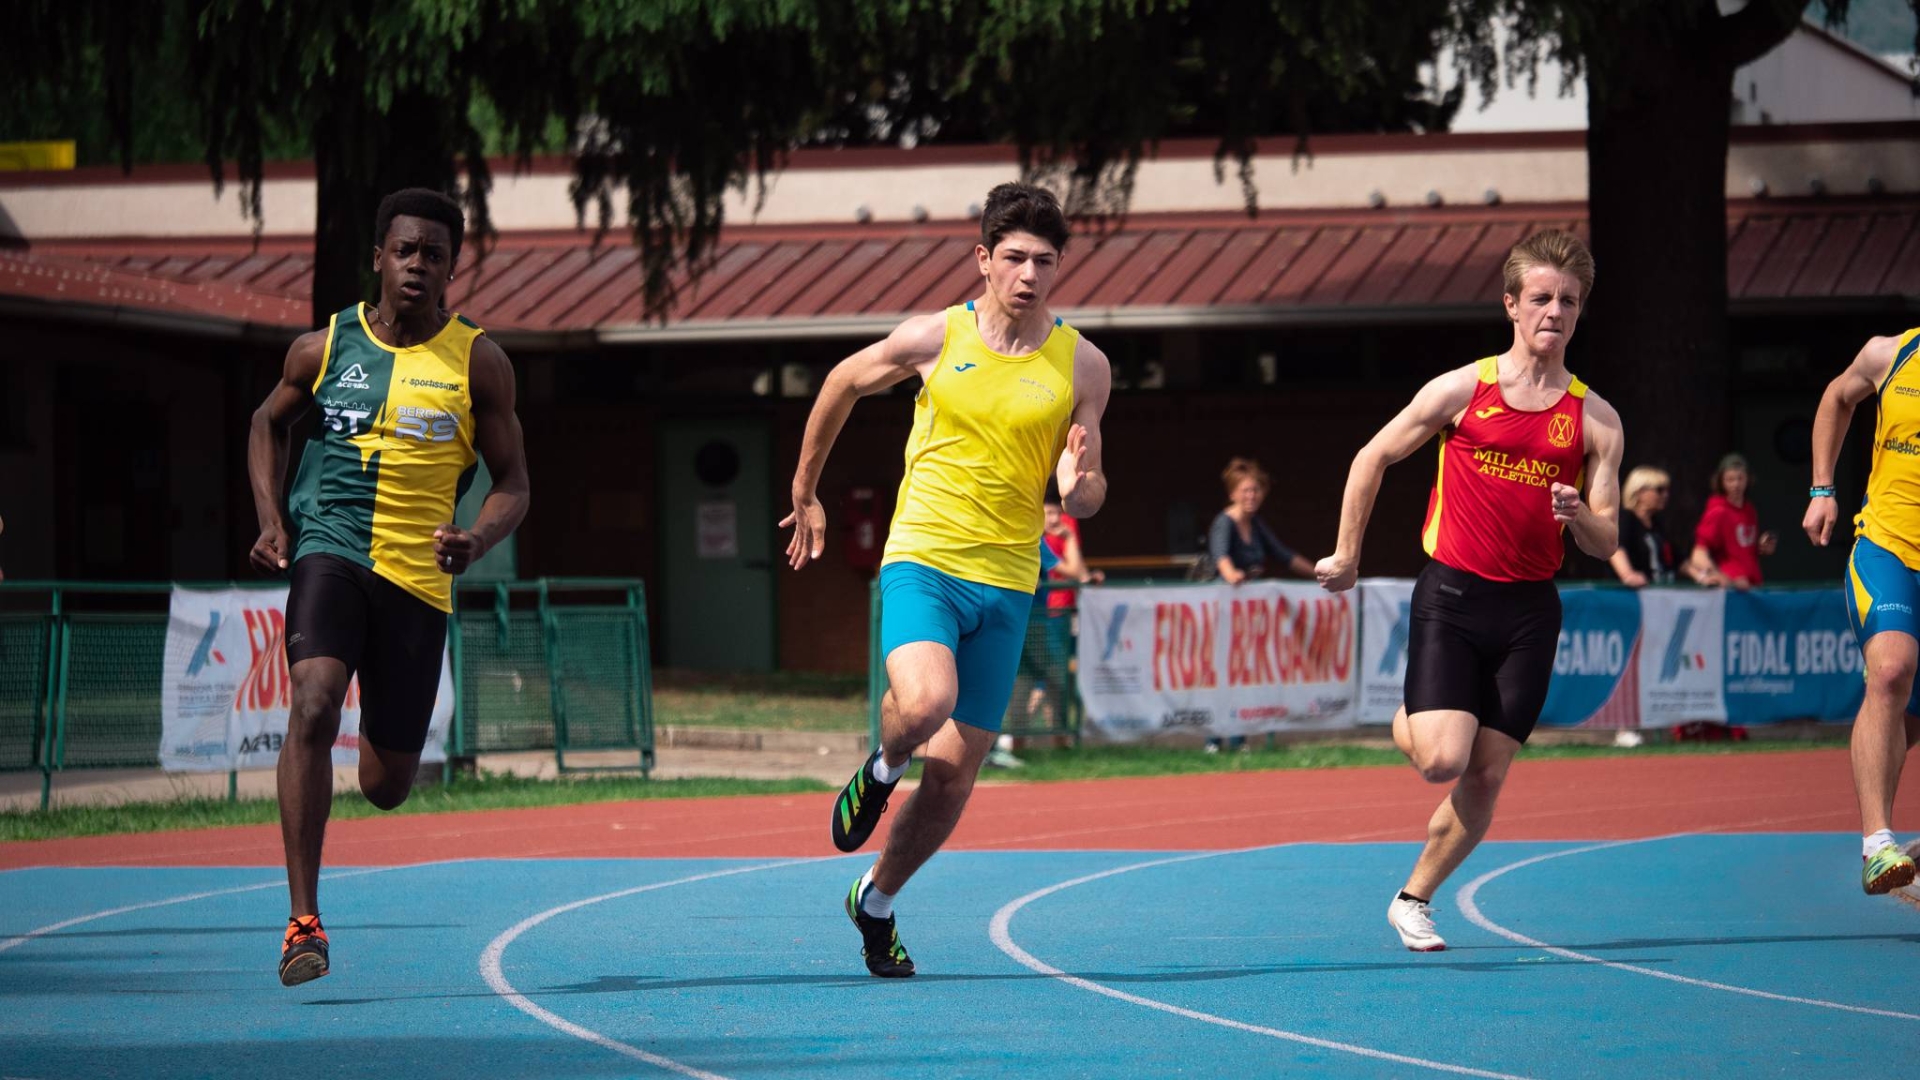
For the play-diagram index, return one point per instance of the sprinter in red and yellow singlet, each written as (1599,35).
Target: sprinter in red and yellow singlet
(1520,440)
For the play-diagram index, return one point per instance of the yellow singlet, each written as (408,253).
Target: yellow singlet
(1890,516)
(988,430)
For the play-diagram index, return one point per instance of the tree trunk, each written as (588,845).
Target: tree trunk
(1657,338)
(358,159)
(1657,333)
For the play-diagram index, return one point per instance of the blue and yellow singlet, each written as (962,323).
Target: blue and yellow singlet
(1890,516)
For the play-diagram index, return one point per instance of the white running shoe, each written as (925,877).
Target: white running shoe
(1414,922)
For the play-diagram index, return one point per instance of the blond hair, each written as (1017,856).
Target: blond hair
(1555,250)
(1639,480)
(1240,469)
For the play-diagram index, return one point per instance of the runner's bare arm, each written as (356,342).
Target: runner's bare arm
(267,447)
(1859,382)
(910,350)
(1437,405)
(1595,523)
(497,435)
(1083,483)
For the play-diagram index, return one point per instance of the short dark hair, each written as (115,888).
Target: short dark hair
(421,203)
(1022,207)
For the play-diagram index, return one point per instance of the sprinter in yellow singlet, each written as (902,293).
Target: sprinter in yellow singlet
(1010,396)
(1883,581)
(407,394)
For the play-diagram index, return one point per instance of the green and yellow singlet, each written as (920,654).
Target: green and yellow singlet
(394,453)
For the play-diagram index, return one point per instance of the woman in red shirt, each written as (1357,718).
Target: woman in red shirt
(1728,543)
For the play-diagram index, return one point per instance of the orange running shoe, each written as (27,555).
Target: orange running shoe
(303,953)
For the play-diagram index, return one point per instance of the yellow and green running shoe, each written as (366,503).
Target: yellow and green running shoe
(1886,870)
(879,940)
(859,806)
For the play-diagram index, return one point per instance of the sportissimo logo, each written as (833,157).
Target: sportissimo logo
(434,384)
(1678,658)
(1395,654)
(1114,629)
(205,651)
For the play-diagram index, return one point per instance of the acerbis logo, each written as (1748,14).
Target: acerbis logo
(1678,658)
(355,377)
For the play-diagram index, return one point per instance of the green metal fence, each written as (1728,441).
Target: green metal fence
(1046,698)
(557,664)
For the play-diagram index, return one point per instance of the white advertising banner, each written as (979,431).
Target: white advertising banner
(1219,660)
(226,692)
(1385,604)
(1681,656)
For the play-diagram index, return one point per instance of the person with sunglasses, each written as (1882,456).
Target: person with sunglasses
(1645,556)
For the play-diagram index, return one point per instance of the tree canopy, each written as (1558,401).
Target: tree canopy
(666,105)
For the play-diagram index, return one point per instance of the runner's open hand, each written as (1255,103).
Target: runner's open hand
(455,549)
(809,521)
(1077,451)
(269,554)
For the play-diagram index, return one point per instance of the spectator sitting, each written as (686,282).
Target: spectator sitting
(1728,543)
(1239,545)
(1645,556)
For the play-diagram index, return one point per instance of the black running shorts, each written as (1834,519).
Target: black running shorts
(1482,647)
(391,638)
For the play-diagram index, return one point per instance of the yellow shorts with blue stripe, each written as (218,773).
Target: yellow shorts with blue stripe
(1883,594)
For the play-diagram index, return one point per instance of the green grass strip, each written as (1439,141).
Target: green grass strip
(489,792)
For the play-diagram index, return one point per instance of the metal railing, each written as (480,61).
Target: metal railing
(557,663)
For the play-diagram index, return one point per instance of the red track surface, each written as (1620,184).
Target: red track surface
(1614,798)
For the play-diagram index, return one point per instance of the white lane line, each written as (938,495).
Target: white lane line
(21,939)
(1471,909)
(496,950)
(997,929)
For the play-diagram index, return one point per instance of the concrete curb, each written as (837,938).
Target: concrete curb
(711,738)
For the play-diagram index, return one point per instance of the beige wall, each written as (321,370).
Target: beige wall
(1460,170)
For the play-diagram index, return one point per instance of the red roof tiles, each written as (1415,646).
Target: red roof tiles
(1320,262)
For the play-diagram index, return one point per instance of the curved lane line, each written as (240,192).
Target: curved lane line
(22,939)
(997,929)
(496,950)
(1471,910)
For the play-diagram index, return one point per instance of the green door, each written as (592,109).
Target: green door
(717,545)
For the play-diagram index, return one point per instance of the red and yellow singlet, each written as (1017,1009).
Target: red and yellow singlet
(1491,512)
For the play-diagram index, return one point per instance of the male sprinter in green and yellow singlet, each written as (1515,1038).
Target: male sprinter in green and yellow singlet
(407,393)
(1010,396)
(1883,581)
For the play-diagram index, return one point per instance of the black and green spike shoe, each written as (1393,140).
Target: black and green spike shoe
(859,806)
(879,941)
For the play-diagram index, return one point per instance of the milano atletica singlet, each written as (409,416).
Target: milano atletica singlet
(393,455)
(1491,512)
(1890,516)
(988,429)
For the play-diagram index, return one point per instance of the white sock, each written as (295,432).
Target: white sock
(1873,843)
(872,901)
(886,775)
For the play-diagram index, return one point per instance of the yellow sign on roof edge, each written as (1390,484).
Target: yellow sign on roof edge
(24,156)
